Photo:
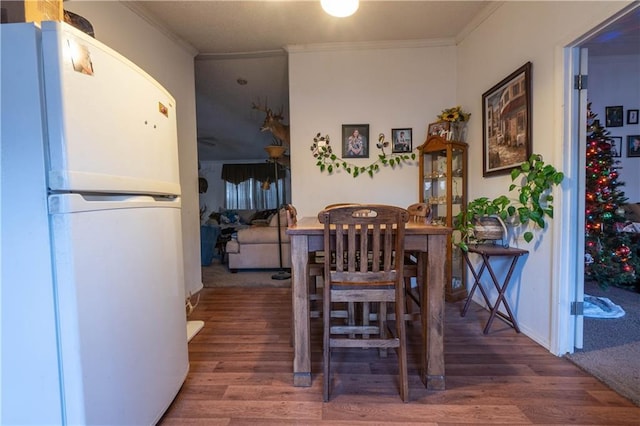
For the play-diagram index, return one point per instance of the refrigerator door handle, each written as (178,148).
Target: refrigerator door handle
(75,203)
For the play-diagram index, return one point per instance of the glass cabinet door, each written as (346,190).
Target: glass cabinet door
(443,166)
(435,186)
(458,186)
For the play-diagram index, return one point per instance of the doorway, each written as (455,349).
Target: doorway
(619,36)
(601,55)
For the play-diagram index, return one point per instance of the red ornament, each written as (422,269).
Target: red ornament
(623,251)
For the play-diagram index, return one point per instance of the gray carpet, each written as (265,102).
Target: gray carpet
(218,275)
(612,345)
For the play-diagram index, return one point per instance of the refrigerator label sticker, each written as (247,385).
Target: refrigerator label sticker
(163,109)
(80,58)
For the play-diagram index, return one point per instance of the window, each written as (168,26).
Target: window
(251,186)
(251,195)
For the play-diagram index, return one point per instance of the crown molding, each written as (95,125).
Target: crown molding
(478,19)
(240,55)
(143,13)
(395,44)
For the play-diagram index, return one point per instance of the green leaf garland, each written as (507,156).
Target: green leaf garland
(329,162)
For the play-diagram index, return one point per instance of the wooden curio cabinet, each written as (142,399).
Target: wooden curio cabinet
(443,185)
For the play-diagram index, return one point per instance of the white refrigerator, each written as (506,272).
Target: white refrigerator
(92,303)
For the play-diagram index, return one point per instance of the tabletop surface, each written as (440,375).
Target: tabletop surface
(311,225)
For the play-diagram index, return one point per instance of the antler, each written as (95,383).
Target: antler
(272,122)
(259,108)
(264,108)
(280,115)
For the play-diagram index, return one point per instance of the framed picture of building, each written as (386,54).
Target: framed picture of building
(506,125)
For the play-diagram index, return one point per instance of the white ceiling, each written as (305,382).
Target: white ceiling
(247,39)
(215,27)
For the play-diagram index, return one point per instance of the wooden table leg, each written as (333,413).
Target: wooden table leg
(432,313)
(300,302)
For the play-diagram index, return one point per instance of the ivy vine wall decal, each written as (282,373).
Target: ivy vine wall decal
(330,162)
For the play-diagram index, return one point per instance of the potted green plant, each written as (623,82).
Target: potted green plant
(533,204)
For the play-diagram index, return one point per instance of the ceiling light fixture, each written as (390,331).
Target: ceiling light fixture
(340,8)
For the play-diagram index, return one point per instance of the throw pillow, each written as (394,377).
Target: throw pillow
(262,217)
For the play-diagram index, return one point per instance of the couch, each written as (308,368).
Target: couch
(254,245)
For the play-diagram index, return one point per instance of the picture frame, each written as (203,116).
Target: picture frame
(355,141)
(633,146)
(613,116)
(616,146)
(506,123)
(438,128)
(402,140)
(632,116)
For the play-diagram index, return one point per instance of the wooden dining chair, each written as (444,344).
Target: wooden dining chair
(315,278)
(374,234)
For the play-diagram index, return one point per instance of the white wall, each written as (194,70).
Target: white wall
(171,64)
(615,80)
(395,87)
(389,88)
(515,33)
(214,197)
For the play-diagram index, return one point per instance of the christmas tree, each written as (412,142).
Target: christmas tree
(610,256)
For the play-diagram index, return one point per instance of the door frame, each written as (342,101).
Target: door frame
(569,274)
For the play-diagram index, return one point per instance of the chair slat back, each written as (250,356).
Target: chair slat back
(369,258)
(368,242)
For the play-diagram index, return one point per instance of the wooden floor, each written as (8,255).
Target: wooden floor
(241,366)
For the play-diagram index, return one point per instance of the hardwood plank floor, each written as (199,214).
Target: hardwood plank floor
(241,374)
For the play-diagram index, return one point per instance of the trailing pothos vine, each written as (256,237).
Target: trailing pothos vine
(328,161)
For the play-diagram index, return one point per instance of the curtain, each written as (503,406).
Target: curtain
(237,173)
(243,188)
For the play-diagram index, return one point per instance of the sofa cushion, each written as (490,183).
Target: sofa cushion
(246,215)
(283,219)
(262,217)
(260,235)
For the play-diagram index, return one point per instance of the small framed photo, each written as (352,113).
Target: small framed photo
(632,116)
(355,141)
(401,139)
(613,116)
(633,146)
(438,128)
(616,146)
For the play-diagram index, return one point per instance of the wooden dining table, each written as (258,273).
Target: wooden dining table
(428,241)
